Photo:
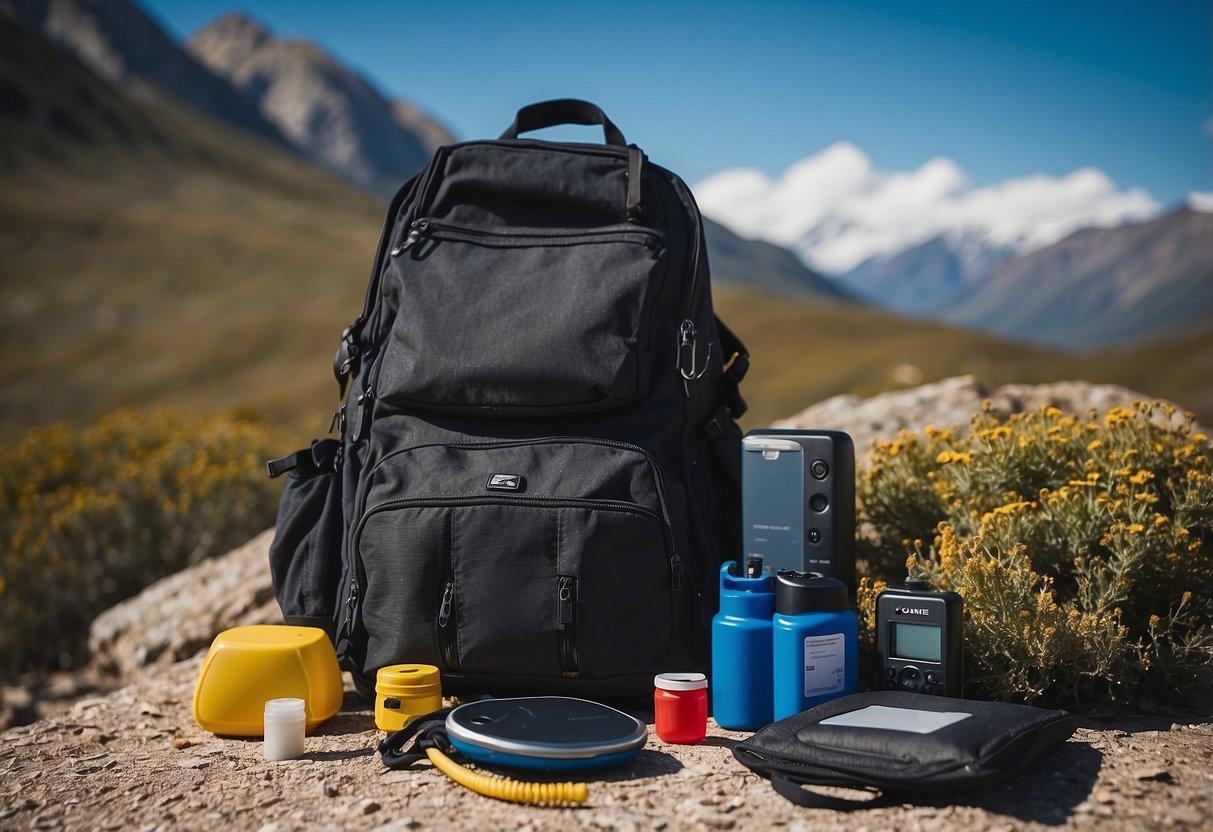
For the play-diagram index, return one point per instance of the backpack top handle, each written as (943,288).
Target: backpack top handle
(563,111)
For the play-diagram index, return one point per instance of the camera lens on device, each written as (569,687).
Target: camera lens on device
(819,469)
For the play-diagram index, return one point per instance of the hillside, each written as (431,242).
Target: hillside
(150,254)
(120,43)
(804,352)
(337,118)
(913,282)
(147,252)
(761,265)
(1101,287)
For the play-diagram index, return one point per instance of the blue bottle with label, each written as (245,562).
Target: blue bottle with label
(815,642)
(741,648)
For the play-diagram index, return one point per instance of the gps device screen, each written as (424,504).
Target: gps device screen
(915,641)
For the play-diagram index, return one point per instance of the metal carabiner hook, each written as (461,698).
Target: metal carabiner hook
(687,349)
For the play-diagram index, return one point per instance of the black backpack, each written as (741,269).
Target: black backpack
(537,475)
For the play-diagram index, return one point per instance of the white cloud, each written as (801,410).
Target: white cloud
(836,210)
(1201,201)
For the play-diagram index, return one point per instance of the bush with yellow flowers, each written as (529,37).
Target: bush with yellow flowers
(89,517)
(1083,548)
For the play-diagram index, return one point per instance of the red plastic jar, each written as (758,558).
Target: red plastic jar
(680,706)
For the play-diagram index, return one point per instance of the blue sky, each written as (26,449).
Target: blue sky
(1003,89)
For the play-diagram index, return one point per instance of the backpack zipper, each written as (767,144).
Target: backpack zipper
(523,236)
(440,500)
(688,334)
(350,604)
(566,615)
(424,197)
(447,632)
(675,561)
(566,618)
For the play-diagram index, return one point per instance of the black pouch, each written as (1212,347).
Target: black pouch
(305,557)
(900,745)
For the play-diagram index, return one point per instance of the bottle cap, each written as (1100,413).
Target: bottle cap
(800,592)
(680,681)
(286,709)
(408,680)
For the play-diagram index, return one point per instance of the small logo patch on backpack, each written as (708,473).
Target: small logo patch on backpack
(504,482)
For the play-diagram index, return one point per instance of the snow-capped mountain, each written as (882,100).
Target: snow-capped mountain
(841,214)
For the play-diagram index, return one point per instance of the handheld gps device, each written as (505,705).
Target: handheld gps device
(920,639)
(545,732)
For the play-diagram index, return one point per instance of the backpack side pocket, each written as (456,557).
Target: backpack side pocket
(305,557)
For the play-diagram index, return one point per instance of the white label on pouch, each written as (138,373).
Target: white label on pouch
(825,664)
(897,719)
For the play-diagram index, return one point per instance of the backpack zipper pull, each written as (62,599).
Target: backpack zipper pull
(448,597)
(360,413)
(411,240)
(348,628)
(564,602)
(675,573)
(419,227)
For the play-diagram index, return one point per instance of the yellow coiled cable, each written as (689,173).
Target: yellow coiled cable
(504,788)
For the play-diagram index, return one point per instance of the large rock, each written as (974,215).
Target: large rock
(951,403)
(179,615)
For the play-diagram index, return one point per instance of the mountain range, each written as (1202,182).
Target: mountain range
(1017,257)
(1100,286)
(298,96)
(234,70)
(184,234)
(756,264)
(213,266)
(915,281)
(1097,287)
(123,45)
(334,116)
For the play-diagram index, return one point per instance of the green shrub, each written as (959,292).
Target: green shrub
(1083,547)
(90,517)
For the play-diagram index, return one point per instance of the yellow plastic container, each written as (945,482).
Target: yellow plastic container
(404,692)
(248,666)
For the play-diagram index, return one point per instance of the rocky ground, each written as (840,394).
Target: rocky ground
(135,759)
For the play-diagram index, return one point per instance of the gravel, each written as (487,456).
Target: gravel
(136,760)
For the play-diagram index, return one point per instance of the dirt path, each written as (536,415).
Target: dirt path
(136,760)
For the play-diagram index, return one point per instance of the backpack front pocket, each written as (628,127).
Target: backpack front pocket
(513,322)
(505,565)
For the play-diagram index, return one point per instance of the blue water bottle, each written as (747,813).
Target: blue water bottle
(741,648)
(815,639)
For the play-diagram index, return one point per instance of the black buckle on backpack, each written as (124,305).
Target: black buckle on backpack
(320,457)
(277,467)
